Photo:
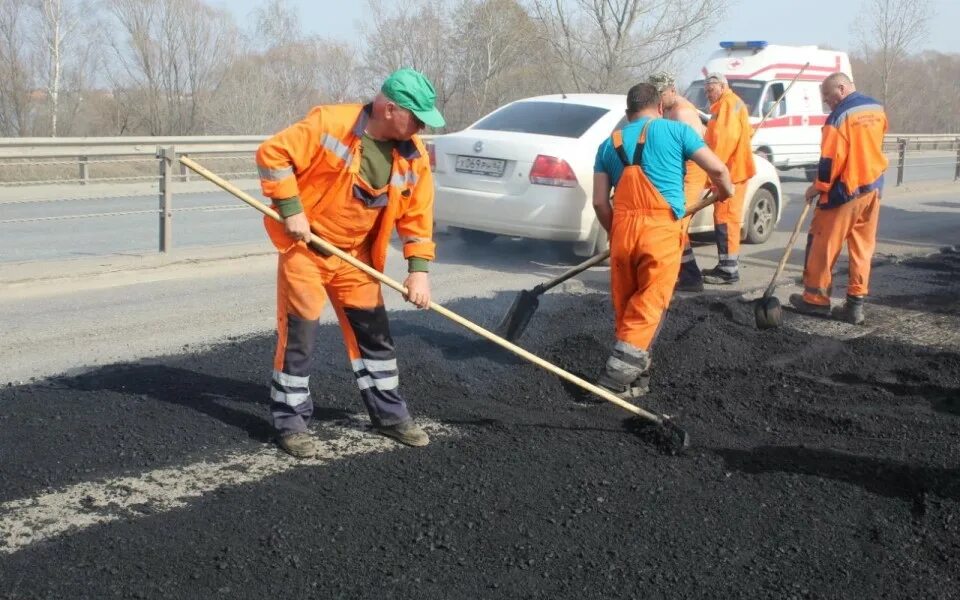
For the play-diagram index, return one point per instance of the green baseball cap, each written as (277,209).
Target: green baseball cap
(414,92)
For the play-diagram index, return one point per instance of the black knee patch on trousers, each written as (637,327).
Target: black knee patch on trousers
(372,329)
(301,341)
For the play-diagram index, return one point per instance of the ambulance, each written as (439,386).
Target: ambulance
(759,73)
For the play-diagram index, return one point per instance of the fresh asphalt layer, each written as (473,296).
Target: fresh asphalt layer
(824,464)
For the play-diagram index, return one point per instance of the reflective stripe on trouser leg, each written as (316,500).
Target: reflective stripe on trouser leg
(374,362)
(728,223)
(627,362)
(290,403)
(689,270)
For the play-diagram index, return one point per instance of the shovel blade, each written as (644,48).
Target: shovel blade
(515,322)
(768,313)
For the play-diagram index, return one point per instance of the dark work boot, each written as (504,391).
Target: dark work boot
(808,308)
(689,284)
(721,276)
(850,311)
(635,389)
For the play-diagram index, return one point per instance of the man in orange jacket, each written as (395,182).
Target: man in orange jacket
(728,135)
(678,108)
(352,174)
(847,191)
(644,162)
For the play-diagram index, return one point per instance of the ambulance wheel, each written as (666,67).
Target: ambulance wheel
(761,218)
(478,238)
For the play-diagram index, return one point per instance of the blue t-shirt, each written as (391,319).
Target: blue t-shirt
(669,145)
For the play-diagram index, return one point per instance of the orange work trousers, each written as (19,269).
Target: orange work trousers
(727,223)
(305,280)
(694,185)
(854,222)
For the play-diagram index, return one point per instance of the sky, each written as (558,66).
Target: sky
(788,22)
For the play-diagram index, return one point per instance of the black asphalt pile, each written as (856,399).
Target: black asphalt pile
(820,468)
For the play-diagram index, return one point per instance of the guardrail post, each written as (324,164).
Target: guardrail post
(956,173)
(167,156)
(84,170)
(901,154)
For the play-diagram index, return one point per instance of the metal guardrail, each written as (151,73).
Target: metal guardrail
(158,157)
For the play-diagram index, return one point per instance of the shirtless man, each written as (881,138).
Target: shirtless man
(678,108)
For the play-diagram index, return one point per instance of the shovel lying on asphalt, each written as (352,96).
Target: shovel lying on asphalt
(664,431)
(766,310)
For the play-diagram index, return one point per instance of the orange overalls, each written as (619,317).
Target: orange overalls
(728,135)
(850,181)
(645,244)
(318,160)
(694,184)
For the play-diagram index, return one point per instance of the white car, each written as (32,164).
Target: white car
(526,170)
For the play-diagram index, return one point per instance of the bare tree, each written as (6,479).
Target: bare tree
(497,45)
(17,66)
(167,55)
(58,22)
(410,33)
(887,31)
(601,44)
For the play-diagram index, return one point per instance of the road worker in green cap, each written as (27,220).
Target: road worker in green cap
(352,174)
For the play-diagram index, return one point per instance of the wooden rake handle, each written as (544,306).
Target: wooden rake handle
(331,249)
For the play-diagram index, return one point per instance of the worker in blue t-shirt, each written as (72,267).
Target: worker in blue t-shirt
(644,163)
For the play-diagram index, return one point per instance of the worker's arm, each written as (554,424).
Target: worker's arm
(833,160)
(279,159)
(723,130)
(601,200)
(718,173)
(415,228)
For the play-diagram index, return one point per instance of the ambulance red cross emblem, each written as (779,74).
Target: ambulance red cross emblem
(735,63)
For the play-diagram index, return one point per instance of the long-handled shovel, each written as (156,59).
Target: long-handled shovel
(766,310)
(672,435)
(515,322)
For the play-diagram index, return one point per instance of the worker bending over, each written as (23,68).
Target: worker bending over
(352,173)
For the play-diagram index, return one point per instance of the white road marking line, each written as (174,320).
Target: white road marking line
(31,520)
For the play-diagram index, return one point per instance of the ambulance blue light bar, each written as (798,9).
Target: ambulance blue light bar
(748,45)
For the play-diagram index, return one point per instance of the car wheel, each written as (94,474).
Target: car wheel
(761,218)
(479,238)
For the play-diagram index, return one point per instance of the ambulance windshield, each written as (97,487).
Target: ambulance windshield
(748,90)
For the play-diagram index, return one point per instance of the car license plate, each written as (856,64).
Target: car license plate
(481,166)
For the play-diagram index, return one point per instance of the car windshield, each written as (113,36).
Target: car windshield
(560,119)
(748,90)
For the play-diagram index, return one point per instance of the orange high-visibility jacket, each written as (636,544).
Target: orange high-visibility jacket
(728,135)
(318,160)
(851,152)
